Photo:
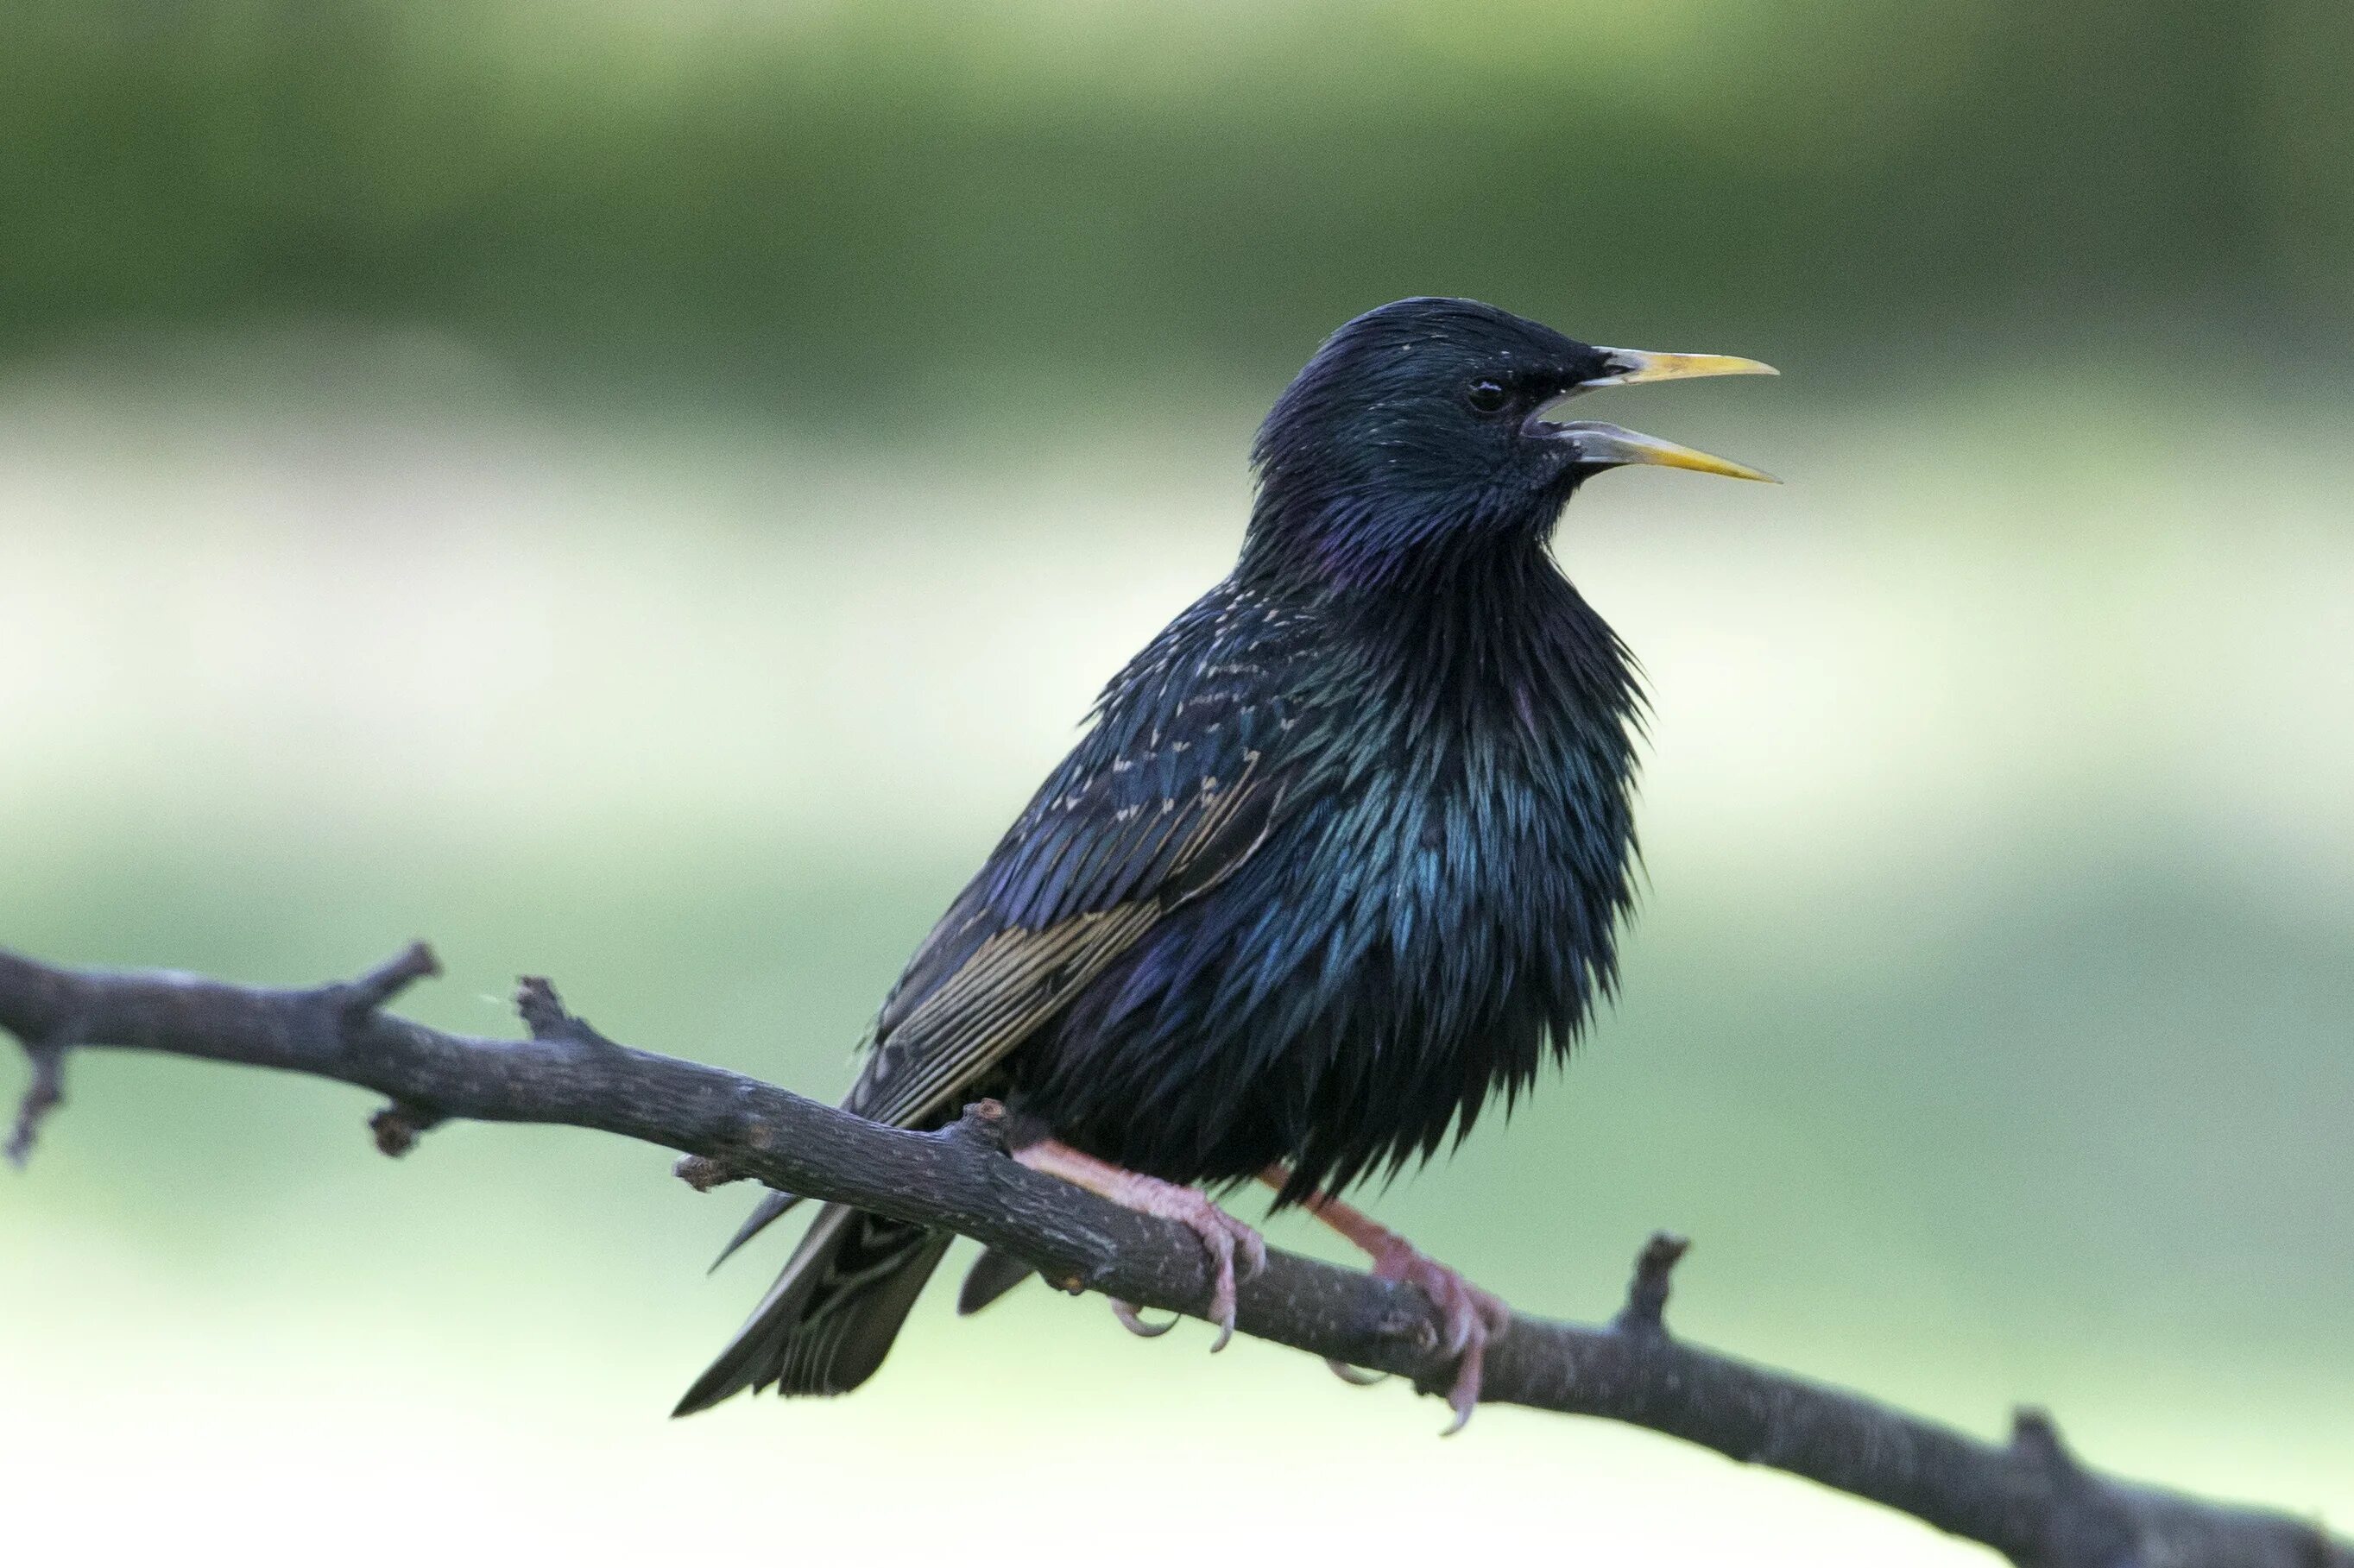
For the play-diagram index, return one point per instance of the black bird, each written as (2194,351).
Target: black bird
(1341,857)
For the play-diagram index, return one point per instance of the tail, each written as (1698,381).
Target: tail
(828,1321)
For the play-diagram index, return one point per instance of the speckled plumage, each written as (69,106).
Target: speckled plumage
(1340,858)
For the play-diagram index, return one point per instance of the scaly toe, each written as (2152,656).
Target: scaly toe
(1462,1323)
(1253,1248)
(1221,1248)
(1463,1396)
(1223,1238)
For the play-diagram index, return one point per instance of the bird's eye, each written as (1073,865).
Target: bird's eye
(1486,397)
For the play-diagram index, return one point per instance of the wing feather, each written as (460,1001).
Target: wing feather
(1173,788)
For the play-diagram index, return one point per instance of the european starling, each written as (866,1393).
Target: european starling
(1341,857)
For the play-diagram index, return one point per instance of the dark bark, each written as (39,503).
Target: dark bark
(2028,1498)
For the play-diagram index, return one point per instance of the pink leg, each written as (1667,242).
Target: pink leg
(1222,1234)
(1471,1316)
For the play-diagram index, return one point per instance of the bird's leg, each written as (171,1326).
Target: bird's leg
(1470,1315)
(1222,1236)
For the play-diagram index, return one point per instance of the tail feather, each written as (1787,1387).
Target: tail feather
(830,1319)
(771,1206)
(992,1273)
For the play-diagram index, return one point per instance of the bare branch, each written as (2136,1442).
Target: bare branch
(2030,1498)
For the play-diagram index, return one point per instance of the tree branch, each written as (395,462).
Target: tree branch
(2030,1498)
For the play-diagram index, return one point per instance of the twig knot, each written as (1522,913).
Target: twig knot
(548,1020)
(398,1125)
(44,1093)
(1646,1293)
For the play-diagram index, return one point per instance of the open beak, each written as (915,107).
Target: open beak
(1612,446)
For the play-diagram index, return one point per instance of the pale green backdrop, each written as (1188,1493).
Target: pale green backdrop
(639,493)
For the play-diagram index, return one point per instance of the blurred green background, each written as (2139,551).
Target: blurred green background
(638,492)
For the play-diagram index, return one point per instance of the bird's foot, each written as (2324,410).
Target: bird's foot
(1225,1240)
(1468,1317)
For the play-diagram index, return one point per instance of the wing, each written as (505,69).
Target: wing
(1177,781)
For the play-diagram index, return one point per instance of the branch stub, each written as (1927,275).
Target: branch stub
(1646,1293)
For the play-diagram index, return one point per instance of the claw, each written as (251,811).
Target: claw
(1219,1242)
(1355,1376)
(1133,1320)
(1472,1317)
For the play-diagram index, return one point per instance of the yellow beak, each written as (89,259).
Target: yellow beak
(1614,446)
(1634,366)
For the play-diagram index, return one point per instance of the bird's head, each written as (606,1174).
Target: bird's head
(1423,424)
